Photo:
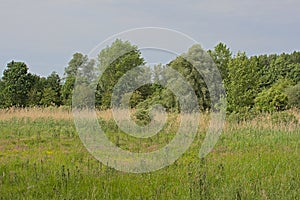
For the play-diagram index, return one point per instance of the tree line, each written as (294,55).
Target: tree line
(263,83)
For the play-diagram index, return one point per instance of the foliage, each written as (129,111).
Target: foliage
(275,67)
(293,93)
(241,86)
(142,117)
(36,92)
(2,97)
(273,98)
(49,97)
(79,68)
(114,61)
(221,56)
(54,85)
(193,77)
(251,83)
(67,90)
(77,60)
(16,84)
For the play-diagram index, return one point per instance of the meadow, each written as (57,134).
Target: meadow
(42,157)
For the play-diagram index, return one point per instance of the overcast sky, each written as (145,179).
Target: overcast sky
(45,34)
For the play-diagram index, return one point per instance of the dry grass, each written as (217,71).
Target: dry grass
(266,121)
(64,113)
(50,112)
(35,113)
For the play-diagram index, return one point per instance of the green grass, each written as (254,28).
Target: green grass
(43,158)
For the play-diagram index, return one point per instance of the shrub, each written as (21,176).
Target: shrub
(273,98)
(142,117)
(293,93)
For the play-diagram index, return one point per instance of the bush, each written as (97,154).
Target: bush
(142,117)
(293,93)
(273,98)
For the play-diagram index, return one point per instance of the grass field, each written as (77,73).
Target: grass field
(42,157)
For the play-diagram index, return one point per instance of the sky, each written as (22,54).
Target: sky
(45,34)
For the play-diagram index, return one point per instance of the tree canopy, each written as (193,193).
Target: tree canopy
(264,83)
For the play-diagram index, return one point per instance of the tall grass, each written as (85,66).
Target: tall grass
(42,157)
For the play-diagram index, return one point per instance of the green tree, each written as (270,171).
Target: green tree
(114,61)
(16,81)
(242,83)
(67,91)
(274,67)
(264,72)
(187,70)
(49,96)
(79,67)
(188,66)
(77,60)
(206,80)
(2,100)
(221,55)
(53,83)
(36,91)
